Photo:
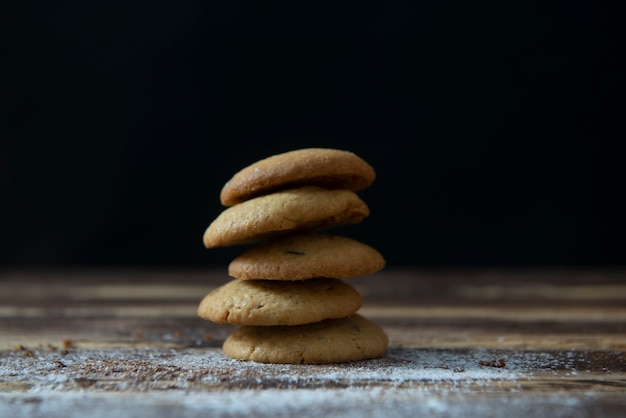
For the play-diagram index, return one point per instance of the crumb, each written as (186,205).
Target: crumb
(52,347)
(29,353)
(20,347)
(454,369)
(208,337)
(500,363)
(177,334)
(67,344)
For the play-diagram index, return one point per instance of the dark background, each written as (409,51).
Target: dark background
(494,128)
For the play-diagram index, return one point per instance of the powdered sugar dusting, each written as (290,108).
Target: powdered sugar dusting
(194,382)
(303,403)
(209,368)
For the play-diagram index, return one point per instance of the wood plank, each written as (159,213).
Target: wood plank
(462,343)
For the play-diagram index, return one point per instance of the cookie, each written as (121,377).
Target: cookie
(347,339)
(301,256)
(324,167)
(290,210)
(267,302)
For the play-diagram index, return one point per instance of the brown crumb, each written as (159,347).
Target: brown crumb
(20,347)
(52,347)
(500,363)
(208,337)
(29,353)
(454,369)
(67,344)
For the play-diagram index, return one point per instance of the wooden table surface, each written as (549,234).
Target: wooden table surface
(484,342)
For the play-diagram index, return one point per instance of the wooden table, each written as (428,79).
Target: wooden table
(469,343)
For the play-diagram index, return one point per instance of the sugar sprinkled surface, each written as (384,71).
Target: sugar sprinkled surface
(47,370)
(347,403)
(188,382)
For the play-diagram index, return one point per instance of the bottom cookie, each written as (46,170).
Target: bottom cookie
(331,341)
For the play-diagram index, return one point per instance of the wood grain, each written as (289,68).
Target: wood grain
(462,343)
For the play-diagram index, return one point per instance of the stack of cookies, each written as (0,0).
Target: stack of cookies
(288,296)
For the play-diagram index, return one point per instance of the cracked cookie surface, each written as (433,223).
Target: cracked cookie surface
(268,303)
(347,339)
(324,167)
(306,255)
(303,208)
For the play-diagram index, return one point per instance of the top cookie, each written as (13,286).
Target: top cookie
(304,208)
(323,167)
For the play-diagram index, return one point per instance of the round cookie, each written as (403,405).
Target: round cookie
(306,255)
(324,167)
(267,303)
(301,208)
(332,341)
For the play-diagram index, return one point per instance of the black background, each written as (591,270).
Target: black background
(494,128)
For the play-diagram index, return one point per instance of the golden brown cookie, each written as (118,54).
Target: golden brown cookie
(267,302)
(301,256)
(331,341)
(289,210)
(324,167)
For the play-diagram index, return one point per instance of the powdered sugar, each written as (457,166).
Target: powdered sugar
(201,368)
(201,381)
